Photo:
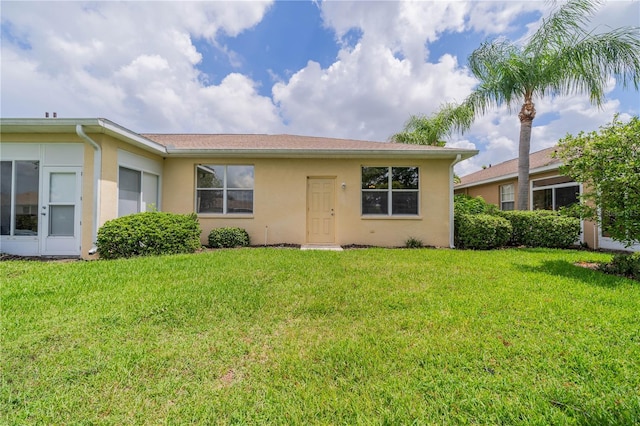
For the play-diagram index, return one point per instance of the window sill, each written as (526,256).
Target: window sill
(224,216)
(388,217)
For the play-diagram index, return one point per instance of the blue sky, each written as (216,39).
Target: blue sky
(348,69)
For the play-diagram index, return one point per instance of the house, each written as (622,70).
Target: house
(549,189)
(63,178)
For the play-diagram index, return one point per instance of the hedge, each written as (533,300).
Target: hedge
(150,233)
(542,228)
(481,231)
(228,238)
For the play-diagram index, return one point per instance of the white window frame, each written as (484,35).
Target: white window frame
(390,192)
(146,167)
(553,188)
(504,193)
(225,188)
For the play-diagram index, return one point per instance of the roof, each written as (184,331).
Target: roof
(234,145)
(293,145)
(538,161)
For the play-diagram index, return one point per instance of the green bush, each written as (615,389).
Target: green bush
(465,204)
(542,228)
(150,233)
(624,264)
(413,243)
(481,231)
(228,237)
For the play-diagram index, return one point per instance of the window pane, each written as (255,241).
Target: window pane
(6,177)
(405,178)
(507,193)
(240,177)
(375,202)
(62,187)
(149,192)
(508,206)
(61,219)
(210,176)
(27,193)
(128,191)
(239,201)
(375,177)
(567,196)
(209,201)
(404,202)
(543,199)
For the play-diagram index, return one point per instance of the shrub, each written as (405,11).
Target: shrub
(413,243)
(465,204)
(481,231)
(542,228)
(623,264)
(150,233)
(228,237)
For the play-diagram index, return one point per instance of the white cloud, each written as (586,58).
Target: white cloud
(133,62)
(137,64)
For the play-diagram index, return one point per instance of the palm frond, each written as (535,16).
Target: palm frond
(564,23)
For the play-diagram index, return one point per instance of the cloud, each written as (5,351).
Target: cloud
(134,62)
(137,64)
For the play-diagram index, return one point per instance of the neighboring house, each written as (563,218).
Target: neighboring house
(63,178)
(549,189)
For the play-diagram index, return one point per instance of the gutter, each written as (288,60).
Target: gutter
(451,185)
(97,172)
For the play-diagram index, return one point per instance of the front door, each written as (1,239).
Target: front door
(321,210)
(60,212)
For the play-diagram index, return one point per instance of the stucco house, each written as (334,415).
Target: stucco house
(63,178)
(548,189)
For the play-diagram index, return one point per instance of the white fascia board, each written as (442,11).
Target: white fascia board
(315,153)
(132,138)
(68,125)
(542,169)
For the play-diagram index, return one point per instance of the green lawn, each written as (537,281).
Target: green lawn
(284,336)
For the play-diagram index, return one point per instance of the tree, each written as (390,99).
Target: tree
(561,58)
(423,130)
(607,162)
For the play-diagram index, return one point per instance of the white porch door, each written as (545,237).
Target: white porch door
(61,211)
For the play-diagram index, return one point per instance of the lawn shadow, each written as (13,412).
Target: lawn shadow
(567,269)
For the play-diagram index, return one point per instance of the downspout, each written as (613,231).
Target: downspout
(451,218)
(97,172)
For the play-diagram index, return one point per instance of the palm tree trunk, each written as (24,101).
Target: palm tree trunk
(526,115)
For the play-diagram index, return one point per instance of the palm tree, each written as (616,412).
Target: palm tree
(423,130)
(562,57)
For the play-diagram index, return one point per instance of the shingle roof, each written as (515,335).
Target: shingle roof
(189,144)
(537,160)
(288,142)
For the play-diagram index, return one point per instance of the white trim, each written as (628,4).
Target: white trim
(509,176)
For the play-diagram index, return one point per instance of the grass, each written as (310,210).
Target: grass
(285,336)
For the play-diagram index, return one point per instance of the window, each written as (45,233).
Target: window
(224,189)
(390,191)
(507,197)
(19,194)
(137,191)
(554,193)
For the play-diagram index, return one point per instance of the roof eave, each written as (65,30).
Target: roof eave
(315,153)
(542,169)
(68,125)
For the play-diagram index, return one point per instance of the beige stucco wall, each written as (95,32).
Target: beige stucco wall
(280,201)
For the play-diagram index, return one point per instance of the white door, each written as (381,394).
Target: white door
(61,211)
